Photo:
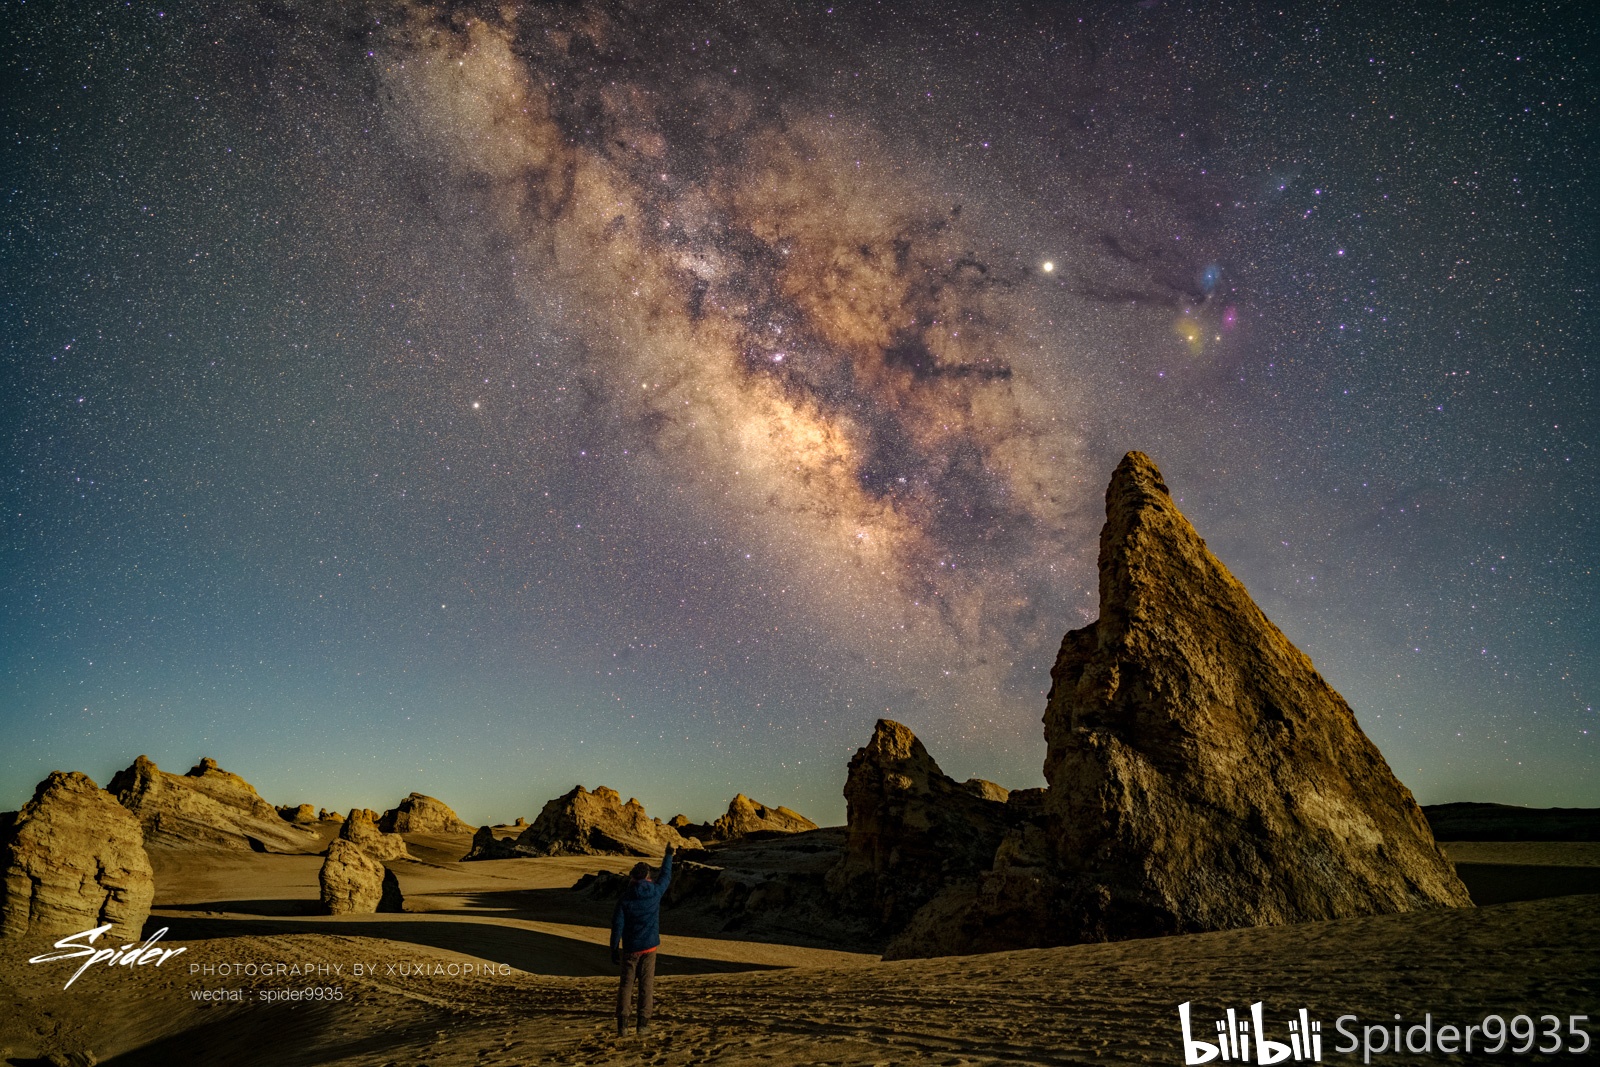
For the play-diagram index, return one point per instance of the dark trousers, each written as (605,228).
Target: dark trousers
(637,967)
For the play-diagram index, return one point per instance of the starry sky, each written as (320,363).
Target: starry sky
(478,399)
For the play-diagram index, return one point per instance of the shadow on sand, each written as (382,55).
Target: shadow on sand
(267,1036)
(533,951)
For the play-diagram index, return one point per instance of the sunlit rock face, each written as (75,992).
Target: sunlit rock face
(207,807)
(1202,775)
(73,859)
(599,823)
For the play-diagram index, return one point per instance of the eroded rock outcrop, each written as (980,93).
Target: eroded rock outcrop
(422,814)
(1202,774)
(486,846)
(746,816)
(354,883)
(765,887)
(298,814)
(598,823)
(73,859)
(206,808)
(911,828)
(361,830)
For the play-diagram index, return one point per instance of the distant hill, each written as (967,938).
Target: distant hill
(1507,822)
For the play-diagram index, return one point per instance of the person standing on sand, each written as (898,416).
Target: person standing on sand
(635,936)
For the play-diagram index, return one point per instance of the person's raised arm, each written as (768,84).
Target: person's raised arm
(616,934)
(666,871)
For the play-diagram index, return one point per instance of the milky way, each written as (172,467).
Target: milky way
(801,332)
(644,393)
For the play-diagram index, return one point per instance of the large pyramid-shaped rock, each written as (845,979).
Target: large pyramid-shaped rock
(1202,774)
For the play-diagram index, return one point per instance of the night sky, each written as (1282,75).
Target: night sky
(477,401)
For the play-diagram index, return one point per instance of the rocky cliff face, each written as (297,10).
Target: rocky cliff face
(205,808)
(598,823)
(421,814)
(1202,774)
(911,828)
(73,859)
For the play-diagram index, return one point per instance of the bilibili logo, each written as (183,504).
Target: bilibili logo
(1236,1039)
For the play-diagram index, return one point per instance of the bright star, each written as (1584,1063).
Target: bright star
(1048,266)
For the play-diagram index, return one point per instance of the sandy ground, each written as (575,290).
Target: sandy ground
(531,982)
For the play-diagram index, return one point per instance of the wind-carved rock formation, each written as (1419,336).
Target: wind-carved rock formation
(422,814)
(205,808)
(746,816)
(73,859)
(1202,775)
(486,846)
(599,823)
(912,829)
(361,830)
(298,814)
(353,883)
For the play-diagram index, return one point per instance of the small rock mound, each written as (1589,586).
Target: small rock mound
(486,846)
(746,816)
(353,883)
(324,815)
(595,824)
(298,814)
(422,814)
(206,808)
(361,830)
(73,859)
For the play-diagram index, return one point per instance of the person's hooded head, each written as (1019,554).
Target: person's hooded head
(640,872)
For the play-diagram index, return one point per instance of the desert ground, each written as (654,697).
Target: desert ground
(542,988)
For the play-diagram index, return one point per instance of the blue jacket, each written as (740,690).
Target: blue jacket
(636,924)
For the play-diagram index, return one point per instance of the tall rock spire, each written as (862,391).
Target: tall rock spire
(1202,774)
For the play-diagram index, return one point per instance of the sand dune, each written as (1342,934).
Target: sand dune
(539,987)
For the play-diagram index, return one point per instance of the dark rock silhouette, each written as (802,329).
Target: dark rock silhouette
(911,827)
(1507,822)
(486,846)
